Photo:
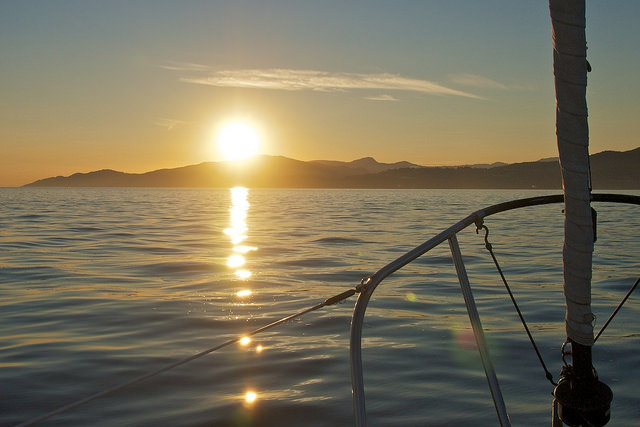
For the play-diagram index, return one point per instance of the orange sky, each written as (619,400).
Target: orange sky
(145,85)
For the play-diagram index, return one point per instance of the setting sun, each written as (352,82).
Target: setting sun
(238,141)
(250,396)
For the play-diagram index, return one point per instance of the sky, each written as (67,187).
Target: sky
(142,85)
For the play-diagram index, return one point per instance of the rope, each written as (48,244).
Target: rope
(617,309)
(515,304)
(329,301)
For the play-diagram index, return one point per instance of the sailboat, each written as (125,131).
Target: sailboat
(580,397)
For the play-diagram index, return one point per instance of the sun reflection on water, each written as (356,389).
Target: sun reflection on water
(235,261)
(244,249)
(243,293)
(237,232)
(243,274)
(239,208)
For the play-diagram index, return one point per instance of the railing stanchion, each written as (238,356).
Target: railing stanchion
(490,372)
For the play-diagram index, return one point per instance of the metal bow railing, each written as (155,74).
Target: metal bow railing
(370,283)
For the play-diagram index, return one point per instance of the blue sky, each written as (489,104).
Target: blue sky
(142,85)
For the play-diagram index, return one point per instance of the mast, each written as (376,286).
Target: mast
(579,391)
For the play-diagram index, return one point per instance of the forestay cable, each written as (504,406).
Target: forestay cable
(329,301)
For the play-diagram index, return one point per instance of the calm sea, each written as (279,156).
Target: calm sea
(99,286)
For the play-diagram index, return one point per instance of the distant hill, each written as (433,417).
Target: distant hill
(487,165)
(610,170)
(366,165)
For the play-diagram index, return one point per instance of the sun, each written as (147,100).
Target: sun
(238,141)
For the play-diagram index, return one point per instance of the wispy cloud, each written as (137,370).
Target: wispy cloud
(314,80)
(168,124)
(184,66)
(476,81)
(382,98)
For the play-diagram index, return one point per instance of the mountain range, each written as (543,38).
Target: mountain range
(609,169)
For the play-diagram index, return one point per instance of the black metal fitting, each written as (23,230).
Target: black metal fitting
(583,400)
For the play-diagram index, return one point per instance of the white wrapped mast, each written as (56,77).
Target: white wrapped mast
(570,68)
(579,398)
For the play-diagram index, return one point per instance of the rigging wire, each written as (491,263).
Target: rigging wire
(329,301)
(626,297)
(515,304)
(489,247)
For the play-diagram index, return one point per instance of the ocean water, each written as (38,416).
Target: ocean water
(98,286)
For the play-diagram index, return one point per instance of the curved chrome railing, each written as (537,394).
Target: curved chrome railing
(370,283)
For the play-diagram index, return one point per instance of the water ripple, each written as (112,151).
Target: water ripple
(101,285)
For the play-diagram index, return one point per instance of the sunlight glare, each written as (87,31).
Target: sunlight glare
(245,340)
(238,233)
(244,249)
(250,397)
(243,274)
(243,293)
(235,261)
(238,141)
